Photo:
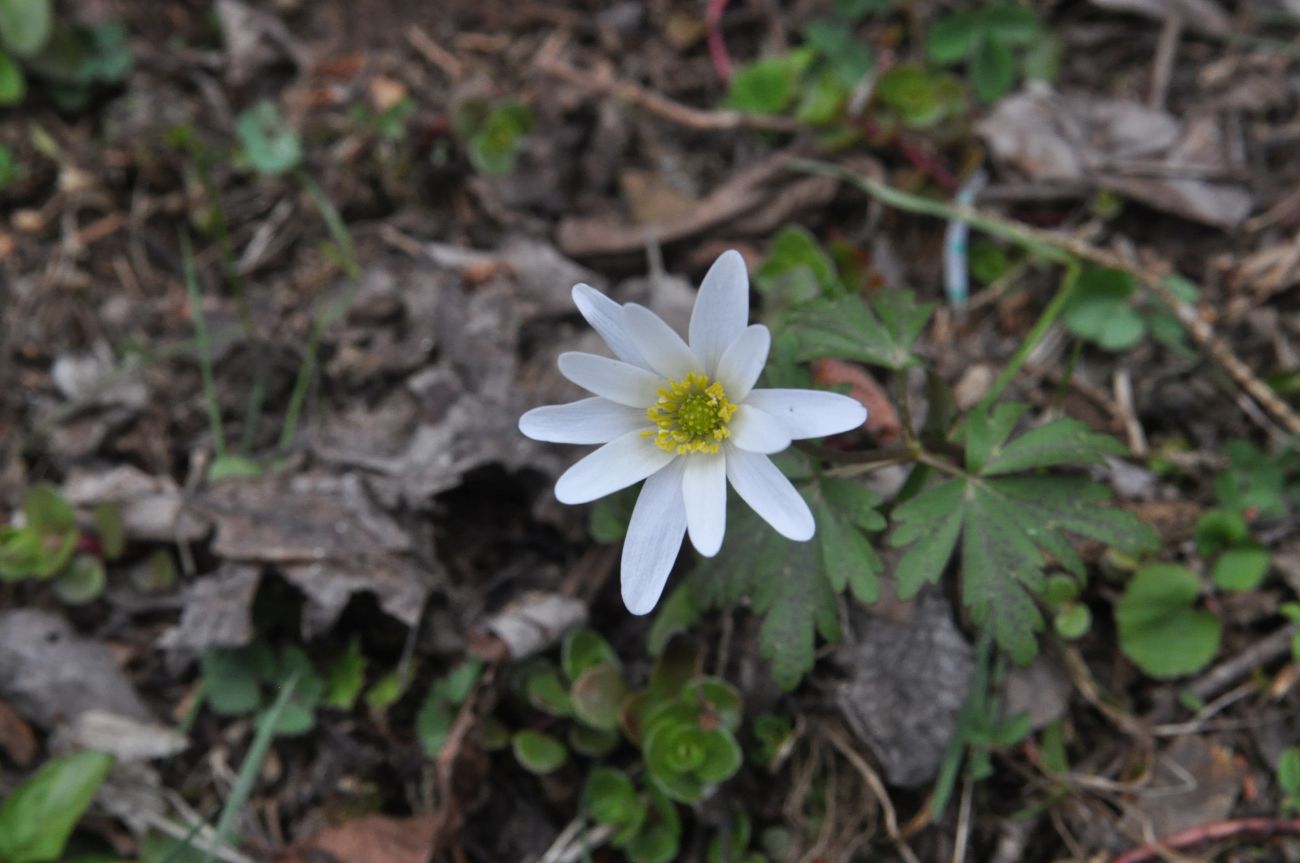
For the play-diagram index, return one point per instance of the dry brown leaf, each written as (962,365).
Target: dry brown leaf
(370,839)
(882,418)
(16,737)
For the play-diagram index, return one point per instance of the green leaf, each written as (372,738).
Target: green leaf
(537,752)
(433,723)
(25,25)
(843,510)
(347,676)
(584,648)
(232,467)
(722,757)
(46,511)
(610,798)
(822,101)
(786,585)
(108,526)
(598,695)
(1006,524)
(920,97)
(987,430)
(992,69)
(718,698)
(459,683)
(1241,569)
(82,582)
(230,681)
(1072,620)
(738,840)
(592,742)
(1218,529)
(297,714)
(13,84)
(1288,770)
(388,690)
(270,144)
(37,819)
(796,269)
(545,691)
(1099,310)
(848,59)
(768,86)
(608,517)
(847,328)
(1159,630)
(1063,441)
(677,614)
(1011,23)
(22,553)
(952,37)
(494,147)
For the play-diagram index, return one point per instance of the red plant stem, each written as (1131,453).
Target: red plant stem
(1212,832)
(922,160)
(717,47)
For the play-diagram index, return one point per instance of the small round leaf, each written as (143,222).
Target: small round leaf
(537,752)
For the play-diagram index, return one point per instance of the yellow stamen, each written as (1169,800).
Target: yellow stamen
(691,416)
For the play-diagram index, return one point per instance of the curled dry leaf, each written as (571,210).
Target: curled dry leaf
(528,625)
(882,418)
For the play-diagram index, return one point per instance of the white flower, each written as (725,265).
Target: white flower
(684,417)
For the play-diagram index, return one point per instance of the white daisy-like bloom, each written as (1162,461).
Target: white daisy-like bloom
(685,417)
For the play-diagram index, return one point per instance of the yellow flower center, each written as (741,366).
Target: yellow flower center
(691,415)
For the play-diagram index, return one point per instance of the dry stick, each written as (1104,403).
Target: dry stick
(1225,674)
(684,115)
(1254,827)
(872,779)
(1061,248)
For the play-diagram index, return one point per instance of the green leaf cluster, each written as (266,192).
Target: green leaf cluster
(985,39)
(437,713)
(493,135)
(813,80)
(794,584)
(920,97)
(1102,309)
(646,824)
(71,58)
(1239,563)
(243,681)
(38,818)
(268,143)
(1009,520)
(44,546)
(1160,629)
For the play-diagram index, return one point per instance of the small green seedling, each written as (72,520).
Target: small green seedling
(437,714)
(269,145)
(44,546)
(1105,310)
(1071,618)
(1160,629)
(985,40)
(241,681)
(493,135)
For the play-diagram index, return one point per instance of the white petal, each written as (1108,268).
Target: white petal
(606,318)
(721,309)
(743,360)
(614,380)
(770,494)
(619,463)
(593,420)
(704,491)
(654,536)
(810,413)
(663,350)
(756,431)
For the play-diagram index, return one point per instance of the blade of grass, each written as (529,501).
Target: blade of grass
(343,241)
(252,766)
(204,347)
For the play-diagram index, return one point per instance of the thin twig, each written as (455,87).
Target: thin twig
(1262,652)
(872,779)
(1253,827)
(1062,249)
(604,84)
